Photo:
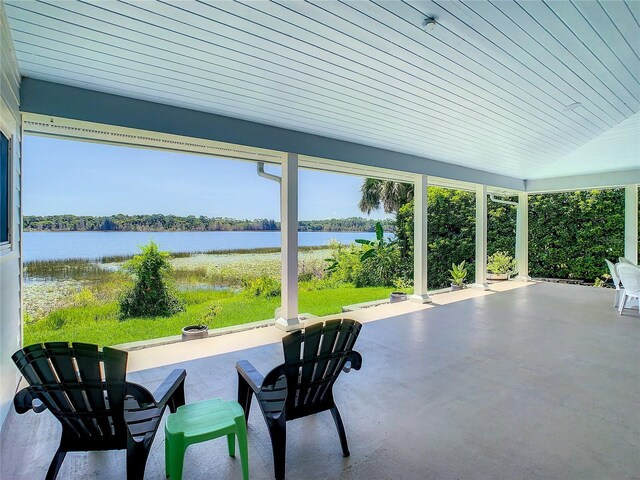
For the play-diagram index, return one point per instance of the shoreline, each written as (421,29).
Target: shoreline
(196,231)
(42,247)
(175,255)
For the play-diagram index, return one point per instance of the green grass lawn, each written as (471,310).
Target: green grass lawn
(100,324)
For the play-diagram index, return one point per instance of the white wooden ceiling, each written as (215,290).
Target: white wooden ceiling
(486,88)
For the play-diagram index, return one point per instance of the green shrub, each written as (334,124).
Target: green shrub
(150,296)
(450,233)
(344,264)
(458,274)
(403,284)
(83,298)
(262,287)
(364,264)
(380,258)
(500,262)
(571,233)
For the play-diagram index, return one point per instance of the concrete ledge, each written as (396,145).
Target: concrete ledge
(384,301)
(359,306)
(216,332)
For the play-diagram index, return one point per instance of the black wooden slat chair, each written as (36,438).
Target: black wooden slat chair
(87,391)
(303,384)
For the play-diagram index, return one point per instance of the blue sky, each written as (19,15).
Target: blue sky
(81,178)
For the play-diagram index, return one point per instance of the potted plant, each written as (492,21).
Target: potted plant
(499,266)
(400,295)
(201,330)
(458,276)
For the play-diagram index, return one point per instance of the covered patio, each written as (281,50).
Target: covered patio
(518,380)
(536,381)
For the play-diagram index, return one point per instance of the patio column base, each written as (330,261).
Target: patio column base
(288,325)
(479,286)
(416,298)
(523,278)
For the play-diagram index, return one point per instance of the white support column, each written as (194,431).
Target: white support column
(420,294)
(481,238)
(287,314)
(631,223)
(522,237)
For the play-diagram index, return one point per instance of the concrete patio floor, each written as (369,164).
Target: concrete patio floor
(536,382)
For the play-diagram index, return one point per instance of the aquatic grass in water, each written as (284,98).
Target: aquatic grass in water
(97,269)
(68,269)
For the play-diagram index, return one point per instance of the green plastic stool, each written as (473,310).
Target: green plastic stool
(201,421)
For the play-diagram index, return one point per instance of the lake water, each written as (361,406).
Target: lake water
(89,245)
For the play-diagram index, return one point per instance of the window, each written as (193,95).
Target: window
(5,182)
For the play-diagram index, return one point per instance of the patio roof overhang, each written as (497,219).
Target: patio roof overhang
(62,110)
(500,98)
(525,96)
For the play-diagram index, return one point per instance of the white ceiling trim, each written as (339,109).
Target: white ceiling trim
(55,127)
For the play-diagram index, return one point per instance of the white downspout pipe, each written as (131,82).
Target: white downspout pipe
(266,175)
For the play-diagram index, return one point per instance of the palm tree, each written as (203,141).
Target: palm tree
(385,193)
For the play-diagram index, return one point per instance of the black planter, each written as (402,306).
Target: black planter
(194,332)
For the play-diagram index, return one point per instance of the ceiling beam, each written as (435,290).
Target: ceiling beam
(47,98)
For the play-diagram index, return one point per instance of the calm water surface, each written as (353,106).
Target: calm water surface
(89,245)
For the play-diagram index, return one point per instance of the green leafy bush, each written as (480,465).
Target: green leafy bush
(344,264)
(450,233)
(403,284)
(500,262)
(262,287)
(380,258)
(351,264)
(150,296)
(458,273)
(571,233)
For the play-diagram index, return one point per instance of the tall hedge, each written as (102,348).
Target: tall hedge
(570,234)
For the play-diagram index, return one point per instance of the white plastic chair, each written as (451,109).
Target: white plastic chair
(630,278)
(616,282)
(625,260)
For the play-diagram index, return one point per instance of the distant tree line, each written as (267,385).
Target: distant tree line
(173,223)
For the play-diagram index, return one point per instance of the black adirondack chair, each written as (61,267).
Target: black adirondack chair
(87,391)
(303,384)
